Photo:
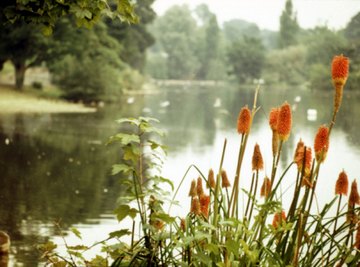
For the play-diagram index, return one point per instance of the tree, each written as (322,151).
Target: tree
(48,12)
(23,22)
(289,27)
(85,63)
(134,38)
(352,30)
(246,57)
(286,66)
(236,29)
(175,32)
(24,45)
(208,45)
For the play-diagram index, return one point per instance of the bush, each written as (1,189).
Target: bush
(85,78)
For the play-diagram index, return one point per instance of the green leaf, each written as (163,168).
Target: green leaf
(131,153)
(78,247)
(160,179)
(129,120)
(76,254)
(118,168)
(124,138)
(124,210)
(203,258)
(119,233)
(47,30)
(148,119)
(233,247)
(212,248)
(47,247)
(76,232)
(163,217)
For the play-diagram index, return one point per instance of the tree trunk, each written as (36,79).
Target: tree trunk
(20,69)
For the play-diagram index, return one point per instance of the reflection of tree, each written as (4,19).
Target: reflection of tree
(190,117)
(50,175)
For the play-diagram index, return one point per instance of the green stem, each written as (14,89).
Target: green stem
(217,187)
(249,197)
(334,231)
(254,195)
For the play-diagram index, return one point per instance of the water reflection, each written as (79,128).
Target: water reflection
(57,166)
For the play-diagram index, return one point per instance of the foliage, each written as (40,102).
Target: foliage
(48,12)
(175,32)
(131,79)
(25,24)
(135,38)
(246,58)
(85,63)
(288,26)
(286,66)
(236,29)
(208,46)
(352,30)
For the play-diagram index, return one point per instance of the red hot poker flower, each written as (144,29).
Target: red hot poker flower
(340,70)
(211,179)
(321,144)
(244,121)
(273,118)
(257,160)
(279,218)
(265,188)
(342,184)
(284,122)
(354,197)
(224,179)
(204,205)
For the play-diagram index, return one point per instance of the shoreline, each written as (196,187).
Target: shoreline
(12,102)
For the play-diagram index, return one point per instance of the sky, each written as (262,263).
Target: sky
(265,13)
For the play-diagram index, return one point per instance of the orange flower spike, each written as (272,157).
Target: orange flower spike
(244,121)
(308,160)
(354,197)
(273,118)
(195,206)
(340,70)
(321,144)
(299,158)
(224,179)
(279,218)
(183,224)
(257,159)
(265,188)
(284,122)
(204,205)
(299,152)
(342,184)
(199,187)
(211,179)
(192,192)
(357,238)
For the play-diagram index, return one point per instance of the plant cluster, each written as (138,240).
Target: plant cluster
(215,231)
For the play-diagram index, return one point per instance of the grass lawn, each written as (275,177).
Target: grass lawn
(30,101)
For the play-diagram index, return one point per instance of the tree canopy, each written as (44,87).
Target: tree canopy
(288,26)
(48,12)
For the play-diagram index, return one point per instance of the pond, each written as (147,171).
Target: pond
(56,167)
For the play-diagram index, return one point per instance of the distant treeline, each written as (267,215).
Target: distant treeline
(99,62)
(190,44)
